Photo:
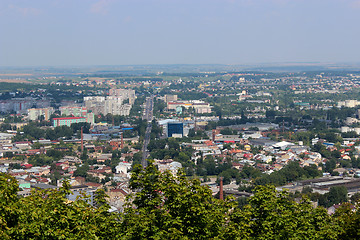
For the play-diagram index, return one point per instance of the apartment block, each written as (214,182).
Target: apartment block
(67,121)
(35,113)
(119,102)
(73,111)
(21,105)
(95,104)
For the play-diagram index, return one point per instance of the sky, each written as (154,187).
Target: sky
(134,32)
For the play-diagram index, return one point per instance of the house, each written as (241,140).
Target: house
(35,151)
(341,171)
(237,166)
(77,181)
(23,145)
(79,191)
(168,165)
(123,168)
(282,145)
(70,160)
(117,197)
(331,210)
(26,166)
(103,157)
(93,185)
(100,172)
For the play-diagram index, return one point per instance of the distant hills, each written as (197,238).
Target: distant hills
(139,70)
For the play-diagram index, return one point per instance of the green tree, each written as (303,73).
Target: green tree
(347,220)
(81,171)
(171,207)
(337,194)
(47,214)
(273,215)
(9,212)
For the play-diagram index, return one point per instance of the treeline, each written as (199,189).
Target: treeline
(6,126)
(165,206)
(290,173)
(109,118)
(227,122)
(57,92)
(32,132)
(249,177)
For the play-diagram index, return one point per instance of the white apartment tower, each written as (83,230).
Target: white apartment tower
(119,102)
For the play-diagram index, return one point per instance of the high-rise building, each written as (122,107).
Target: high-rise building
(119,102)
(95,104)
(124,94)
(35,113)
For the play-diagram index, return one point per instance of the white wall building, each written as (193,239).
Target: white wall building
(123,168)
(119,102)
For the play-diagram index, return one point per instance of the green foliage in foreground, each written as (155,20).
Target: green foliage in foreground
(168,207)
(47,214)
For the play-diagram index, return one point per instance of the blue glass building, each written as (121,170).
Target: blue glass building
(175,128)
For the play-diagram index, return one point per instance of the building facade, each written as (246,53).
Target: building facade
(175,129)
(67,121)
(119,102)
(21,105)
(199,106)
(35,113)
(73,111)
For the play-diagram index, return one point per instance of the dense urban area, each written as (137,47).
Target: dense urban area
(166,155)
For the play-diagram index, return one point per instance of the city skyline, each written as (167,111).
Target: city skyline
(111,32)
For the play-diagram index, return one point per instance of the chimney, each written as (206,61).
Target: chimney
(122,140)
(82,140)
(221,189)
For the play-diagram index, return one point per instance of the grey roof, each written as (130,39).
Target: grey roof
(43,186)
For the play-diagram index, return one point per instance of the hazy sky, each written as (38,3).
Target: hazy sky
(122,32)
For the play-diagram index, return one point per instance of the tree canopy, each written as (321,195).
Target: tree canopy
(167,206)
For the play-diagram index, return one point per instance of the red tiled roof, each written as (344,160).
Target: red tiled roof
(119,190)
(23,142)
(27,165)
(69,118)
(80,178)
(34,150)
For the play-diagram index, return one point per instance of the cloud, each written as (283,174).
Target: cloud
(101,7)
(25,11)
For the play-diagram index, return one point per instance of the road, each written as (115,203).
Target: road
(148,116)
